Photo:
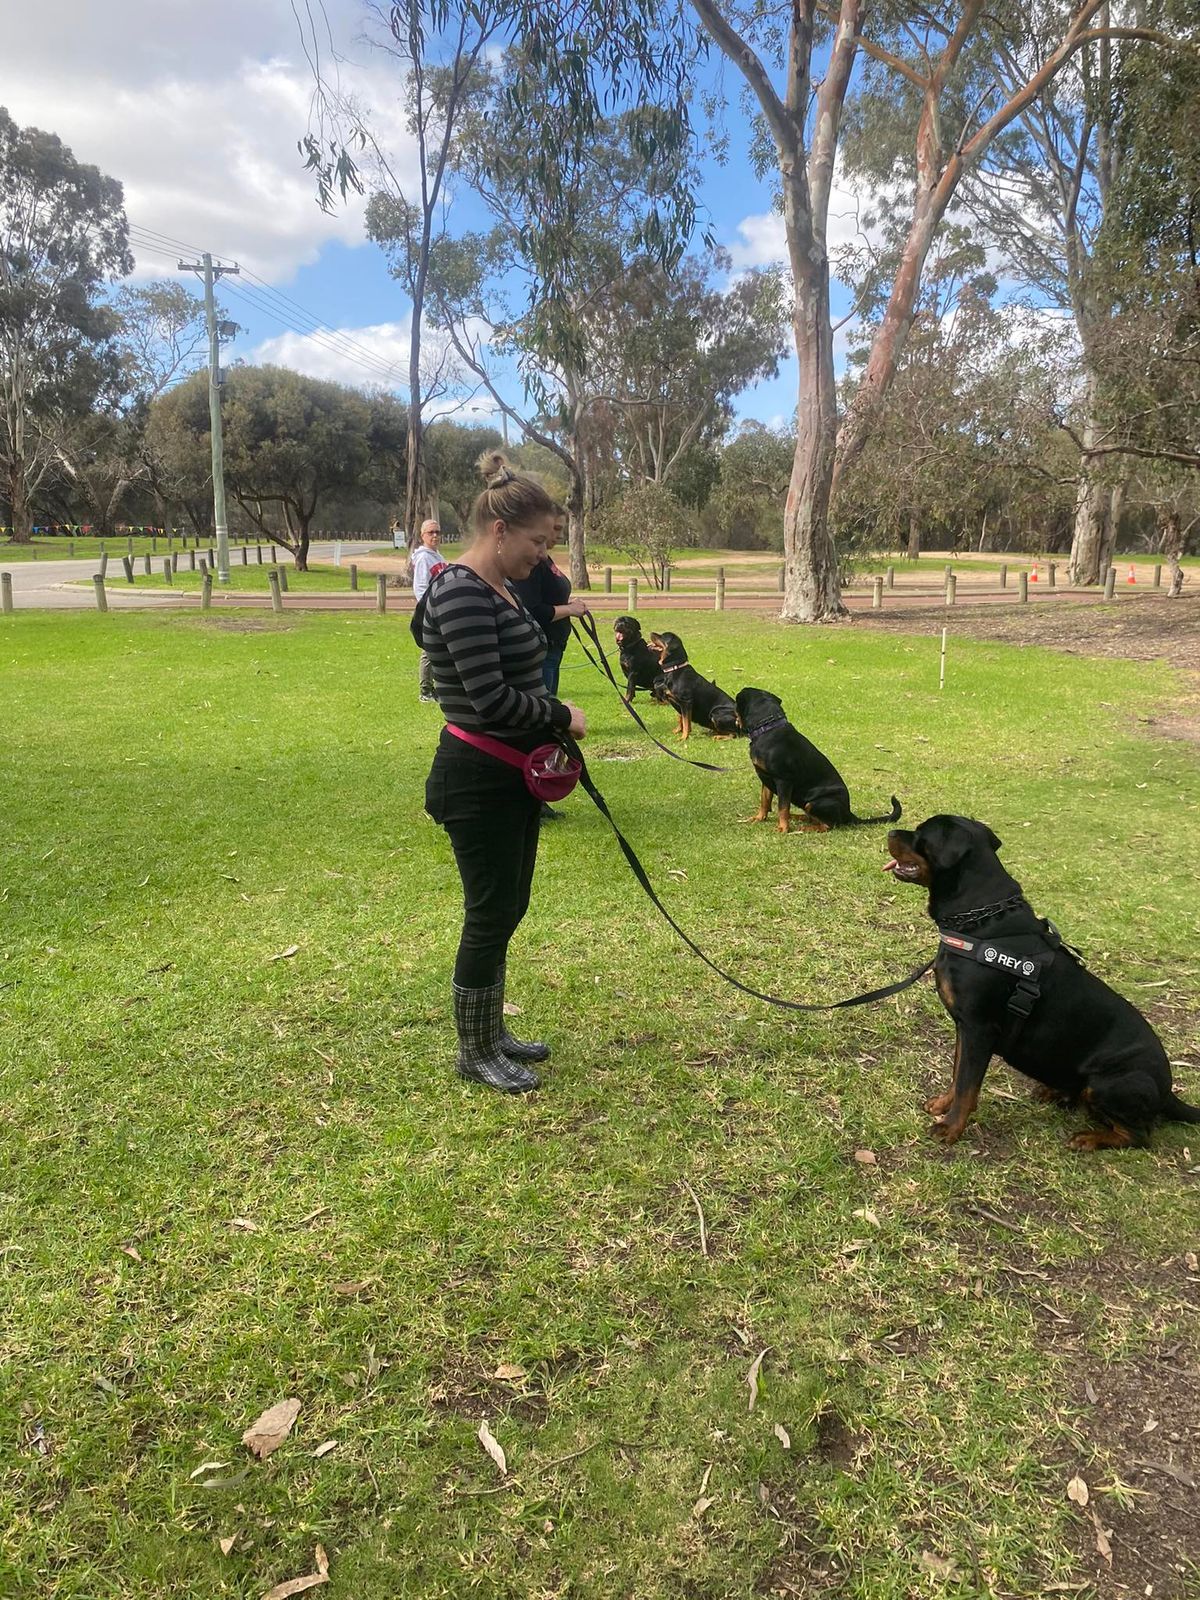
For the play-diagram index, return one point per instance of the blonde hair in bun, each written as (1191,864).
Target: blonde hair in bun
(510,496)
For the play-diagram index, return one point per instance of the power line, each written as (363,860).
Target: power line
(323,333)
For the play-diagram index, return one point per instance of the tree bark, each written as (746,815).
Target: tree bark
(22,517)
(811,591)
(914,535)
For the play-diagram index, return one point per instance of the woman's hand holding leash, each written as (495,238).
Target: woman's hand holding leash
(578,727)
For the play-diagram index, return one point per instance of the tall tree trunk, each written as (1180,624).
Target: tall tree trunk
(914,534)
(577,500)
(301,551)
(1090,533)
(811,591)
(22,515)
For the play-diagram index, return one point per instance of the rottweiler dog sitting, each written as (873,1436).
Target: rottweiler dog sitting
(639,663)
(791,767)
(696,699)
(1016,991)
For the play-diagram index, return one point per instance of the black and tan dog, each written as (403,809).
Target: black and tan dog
(639,663)
(695,698)
(1016,991)
(791,767)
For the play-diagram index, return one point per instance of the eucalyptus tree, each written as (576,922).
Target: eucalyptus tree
(62,236)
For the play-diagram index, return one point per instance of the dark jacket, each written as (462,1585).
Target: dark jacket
(545,588)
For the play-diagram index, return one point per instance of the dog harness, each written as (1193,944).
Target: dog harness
(1021,957)
(765,727)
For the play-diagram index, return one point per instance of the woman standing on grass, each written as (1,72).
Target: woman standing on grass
(487,654)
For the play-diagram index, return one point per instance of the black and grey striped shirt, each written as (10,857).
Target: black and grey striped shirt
(487,658)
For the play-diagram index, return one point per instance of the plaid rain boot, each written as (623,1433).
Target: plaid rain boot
(518,1049)
(478,1016)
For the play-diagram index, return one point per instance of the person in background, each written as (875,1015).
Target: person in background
(426,564)
(546,595)
(487,654)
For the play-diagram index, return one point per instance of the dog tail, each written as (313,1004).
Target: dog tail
(892,816)
(1177,1110)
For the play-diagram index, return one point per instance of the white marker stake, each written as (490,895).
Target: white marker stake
(942,674)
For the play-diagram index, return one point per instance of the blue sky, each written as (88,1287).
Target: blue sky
(198,111)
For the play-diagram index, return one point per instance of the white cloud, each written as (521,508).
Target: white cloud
(376,357)
(197,111)
(763,240)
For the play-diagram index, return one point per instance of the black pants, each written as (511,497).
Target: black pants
(493,821)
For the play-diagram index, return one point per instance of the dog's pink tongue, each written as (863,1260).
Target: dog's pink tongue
(891,866)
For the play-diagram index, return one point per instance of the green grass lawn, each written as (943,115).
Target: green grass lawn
(116,545)
(229,1178)
(251,578)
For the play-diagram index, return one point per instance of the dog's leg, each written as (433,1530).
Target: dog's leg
(685,725)
(973,1051)
(814,823)
(784,790)
(764,807)
(937,1105)
(1124,1108)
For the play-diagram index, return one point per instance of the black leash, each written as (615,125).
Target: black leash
(643,879)
(589,623)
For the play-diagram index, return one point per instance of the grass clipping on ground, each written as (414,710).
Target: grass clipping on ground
(709,1316)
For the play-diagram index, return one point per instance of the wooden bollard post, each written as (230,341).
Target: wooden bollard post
(258,553)
(1110,583)
(146,563)
(6,602)
(353,576)
(632,601)
(103,563)
(781,580)
(127,563)
(206,590)
(890,577)
(102,548)
(192,557)
(1003,576)
(283,579)
(877,594)
(381,592)
(276,592)
(1024,584)
(667,579)
(71,548)
(171,540)
(153,544)
(101,597)
(1053,571)
(245,557)
(274,556)
(948,573)
(608,580)
(719,597)
(1158,575)
(169,567)
(174,561)
(951,587)
(129,545)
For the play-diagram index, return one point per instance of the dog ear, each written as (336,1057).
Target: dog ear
(995,843)
(943,841)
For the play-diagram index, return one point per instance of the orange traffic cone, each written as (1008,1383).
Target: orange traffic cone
(1131,578)
(1033,574)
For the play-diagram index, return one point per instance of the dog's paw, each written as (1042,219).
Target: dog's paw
(946,1130)
(937,1105)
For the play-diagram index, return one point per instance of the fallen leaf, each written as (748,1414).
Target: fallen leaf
(324,1449)
(866,1158)
(281,1591)
(1103,1536)
(1077,1491)
(938,1565)
(867,1215)
(354,1285)
(130,1251)
(508,1373)
(1180,1474)
(265,1436)
(511,1009)
(208,1466)
(1090,1392)
(783,1435)
(286,955)
(244,1223)
(702,1505)
(752,1381)
(492,1445)
(225,1483)
(1149,1425)
(1192,1261)
(226,1545)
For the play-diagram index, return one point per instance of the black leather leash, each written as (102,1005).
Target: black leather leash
(589,624)
(640,873)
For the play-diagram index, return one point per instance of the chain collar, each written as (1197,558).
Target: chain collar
(971,919)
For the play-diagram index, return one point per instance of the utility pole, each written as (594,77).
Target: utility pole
(210,274)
